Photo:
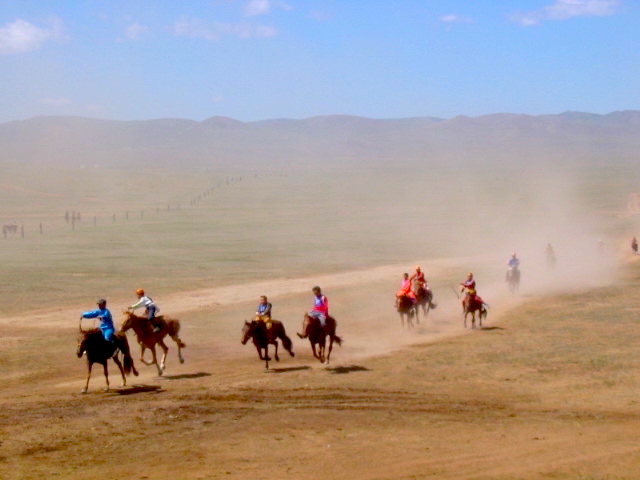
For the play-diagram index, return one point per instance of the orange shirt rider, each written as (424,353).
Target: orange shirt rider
(405,289)
(420,281)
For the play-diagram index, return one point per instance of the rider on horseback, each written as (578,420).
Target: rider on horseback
(405,290)
(514,265)
(150,309)
(469,285)
(320,306)
(263,312)
(420,282)
(106,320)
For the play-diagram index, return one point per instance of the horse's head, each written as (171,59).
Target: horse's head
(82,345)
(247,331)
(127,323)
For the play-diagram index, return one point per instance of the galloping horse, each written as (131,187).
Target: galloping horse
(312,329)
(513,280)
(147,338)
(98,350)
(471,305)
(263,336)
(407,308)
(425,300)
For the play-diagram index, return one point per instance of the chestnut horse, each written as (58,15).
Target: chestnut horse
(406,307)
(317,335)
(147,338)
(98,350)
(471,305)
(263,337)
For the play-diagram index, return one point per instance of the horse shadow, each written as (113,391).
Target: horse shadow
(185,376)
(133,389)
(488,329)
(289,369)
(347,369)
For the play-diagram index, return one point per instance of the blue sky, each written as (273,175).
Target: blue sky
(259,59)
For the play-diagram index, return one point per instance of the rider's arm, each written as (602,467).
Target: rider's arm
(91,314)
(139,304)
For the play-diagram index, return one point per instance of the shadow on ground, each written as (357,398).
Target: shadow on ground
(347,369)
(185,376)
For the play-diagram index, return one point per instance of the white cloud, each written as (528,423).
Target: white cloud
(566,9)
(257,7)
(56,101)
(22,36)
(196,28)
(135,30)
(451,18)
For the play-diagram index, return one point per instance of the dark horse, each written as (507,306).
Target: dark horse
(147,338)
(471,305)
(406,307)
(513,280)
(312,329)
(263,337)
(98,350)
(425,300)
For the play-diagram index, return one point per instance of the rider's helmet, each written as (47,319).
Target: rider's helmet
(139,291)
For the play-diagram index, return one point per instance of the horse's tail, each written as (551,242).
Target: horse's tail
(337,339)
(173,328)
(128,360)
(286,343)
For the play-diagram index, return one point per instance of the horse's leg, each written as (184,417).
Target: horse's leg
(313,349)
(165,349)
(86,385)
(330,348)
(155,360)
(276,354)
(106,375)
(266,356)
(179,344)
(473,320)
(465,318)
(402,320)
(259,349)
(323,345)
(143,348)
(119,364)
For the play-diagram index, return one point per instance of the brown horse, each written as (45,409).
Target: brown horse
(98,350)
(406,307)
(147,338)
(425,300)
(263,337)
(471,305)
(312,329)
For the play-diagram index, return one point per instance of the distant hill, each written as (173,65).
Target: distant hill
(500,139)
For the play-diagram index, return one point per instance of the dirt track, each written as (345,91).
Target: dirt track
(548,391)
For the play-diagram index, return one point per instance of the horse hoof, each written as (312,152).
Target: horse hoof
(268,359)
(182,360)
(84,390)
(299,335)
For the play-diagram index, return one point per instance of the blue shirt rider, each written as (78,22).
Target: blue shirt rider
(106,320)
(264,308)
(514,262)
